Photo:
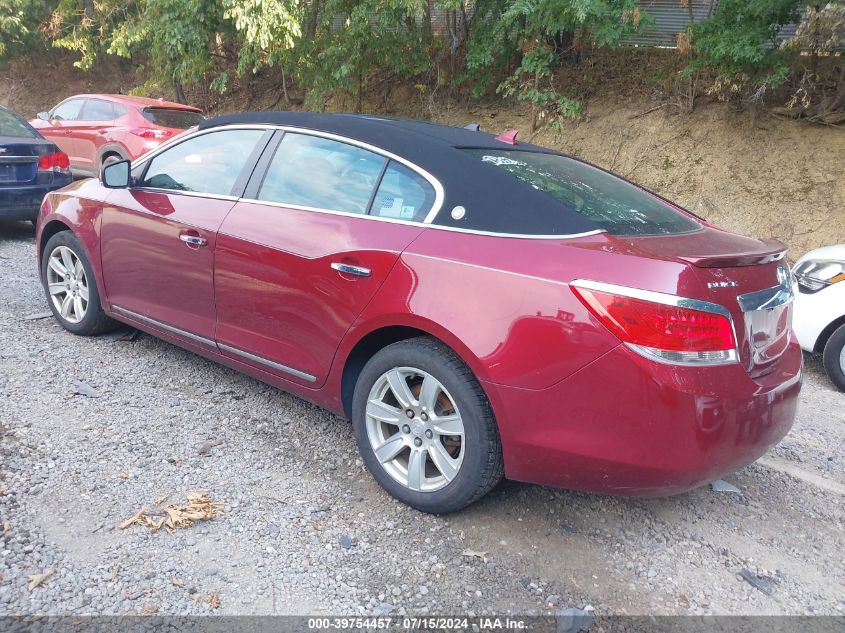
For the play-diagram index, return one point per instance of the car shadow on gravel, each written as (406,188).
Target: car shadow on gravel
(16,231)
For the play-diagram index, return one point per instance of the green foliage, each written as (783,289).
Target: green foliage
(738,44)
(358,40)
(530,31)
(267,30)
(19,21)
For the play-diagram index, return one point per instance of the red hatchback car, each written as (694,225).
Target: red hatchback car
(94,130)
(477,306)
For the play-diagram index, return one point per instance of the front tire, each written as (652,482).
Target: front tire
(834,357)
(71,288)
(425,428)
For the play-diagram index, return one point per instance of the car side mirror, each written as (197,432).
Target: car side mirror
(116,175)
(44,116)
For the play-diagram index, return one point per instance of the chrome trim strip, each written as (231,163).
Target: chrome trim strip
(436,227)
(697,359)
(767,298)
(210,343)
(654,297)
(19,159)
(168,328)
(427,221)
(671,300)
(268,363)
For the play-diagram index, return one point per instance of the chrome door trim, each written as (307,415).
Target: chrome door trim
(164,326)
(205,341)
(268,363)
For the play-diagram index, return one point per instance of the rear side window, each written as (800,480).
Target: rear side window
(176,119)
(11,125)
(97,110)
(209,163)
(403,194)
(316,172)
(617,206)
(68,111)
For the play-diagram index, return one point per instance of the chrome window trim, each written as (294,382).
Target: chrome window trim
(268,363)
(730,356)
(427,222)
(164,326)
(177,140)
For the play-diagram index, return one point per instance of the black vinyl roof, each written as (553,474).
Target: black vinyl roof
(494,200)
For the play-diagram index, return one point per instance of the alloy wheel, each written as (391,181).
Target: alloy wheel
(67,284)
(415,429)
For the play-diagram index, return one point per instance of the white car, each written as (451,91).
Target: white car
(819,316)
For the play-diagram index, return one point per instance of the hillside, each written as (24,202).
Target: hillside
(766,177)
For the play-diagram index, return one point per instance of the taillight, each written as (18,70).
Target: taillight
(663,327)
(58,163)
(151,133)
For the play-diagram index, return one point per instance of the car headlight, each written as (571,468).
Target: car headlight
(815,274)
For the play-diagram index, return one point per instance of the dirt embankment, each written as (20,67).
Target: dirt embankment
(767,178)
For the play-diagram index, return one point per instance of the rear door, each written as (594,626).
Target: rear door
(299,261)
(159,238)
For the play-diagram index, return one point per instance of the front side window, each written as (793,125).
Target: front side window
(614,204)
(97,110)
(11,125)
(209,163)
(311,171)
(403,194)
(68,111)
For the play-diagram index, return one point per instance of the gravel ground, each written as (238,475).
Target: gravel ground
(306,530)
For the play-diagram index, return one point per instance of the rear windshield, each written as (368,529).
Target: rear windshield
(11,125)
(617,206)
(177,119)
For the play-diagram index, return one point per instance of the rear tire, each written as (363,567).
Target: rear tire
(71,288)
(452,443)
(834,357)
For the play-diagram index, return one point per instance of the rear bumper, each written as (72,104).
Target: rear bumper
(22,203)
(627,426)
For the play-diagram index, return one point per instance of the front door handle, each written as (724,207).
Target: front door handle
(194,241)
(349,269)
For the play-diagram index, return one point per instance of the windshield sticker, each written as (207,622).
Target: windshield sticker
(501,160)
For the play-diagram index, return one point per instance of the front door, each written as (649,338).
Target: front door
(159,238)
(297,264)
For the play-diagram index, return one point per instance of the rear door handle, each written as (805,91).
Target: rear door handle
(193,240)
(349,269)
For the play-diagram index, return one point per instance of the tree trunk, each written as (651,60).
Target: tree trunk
(179,92)
(312,16)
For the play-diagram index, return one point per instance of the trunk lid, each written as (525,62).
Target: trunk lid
(19,160)
(745,275)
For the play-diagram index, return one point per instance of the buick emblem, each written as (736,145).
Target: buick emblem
(722,284)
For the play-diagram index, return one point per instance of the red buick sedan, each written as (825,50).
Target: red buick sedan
(479,307)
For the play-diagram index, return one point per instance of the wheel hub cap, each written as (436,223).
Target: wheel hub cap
(415,429)
(67,284)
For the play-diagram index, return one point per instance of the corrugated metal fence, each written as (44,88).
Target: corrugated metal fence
(673,16)
(669,18)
